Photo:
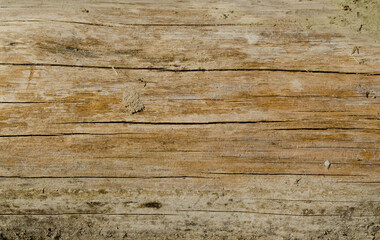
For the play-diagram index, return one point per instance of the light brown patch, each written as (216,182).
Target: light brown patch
(131,100)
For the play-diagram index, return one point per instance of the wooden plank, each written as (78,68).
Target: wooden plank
(177,149)
(176,48)
(189,207)
(189,120)
(261,36)
(92,95)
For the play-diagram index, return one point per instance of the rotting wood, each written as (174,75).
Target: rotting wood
(244,102)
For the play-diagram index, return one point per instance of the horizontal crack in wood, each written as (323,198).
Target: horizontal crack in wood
(282,174)
(106,177)
(191,70)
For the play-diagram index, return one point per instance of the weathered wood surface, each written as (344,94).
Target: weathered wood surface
(244,102)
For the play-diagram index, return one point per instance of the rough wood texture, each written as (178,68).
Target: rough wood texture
(237,105)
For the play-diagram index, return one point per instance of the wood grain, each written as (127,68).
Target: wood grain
(244,101)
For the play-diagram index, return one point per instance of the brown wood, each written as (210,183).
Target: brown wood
(189,120)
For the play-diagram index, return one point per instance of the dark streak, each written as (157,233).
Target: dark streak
(322,111)
(89,213)
(157,24)
(191,70)
(281,174)
(369,182)
(302,162)
(338,147)
(315,200)
(268,70)
(322,129)
(173,123)
(61,134)
(155,205)
(266,213)
(78,51)
(105,177)
(128,52)
(172,214)
(139,24)
(274,96)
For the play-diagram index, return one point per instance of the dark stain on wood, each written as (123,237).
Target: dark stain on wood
(154,204)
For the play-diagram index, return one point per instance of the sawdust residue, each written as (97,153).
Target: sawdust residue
(132,101)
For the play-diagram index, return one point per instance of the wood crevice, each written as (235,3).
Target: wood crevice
(161,69)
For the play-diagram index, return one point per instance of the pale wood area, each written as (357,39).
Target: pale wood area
(244,102)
